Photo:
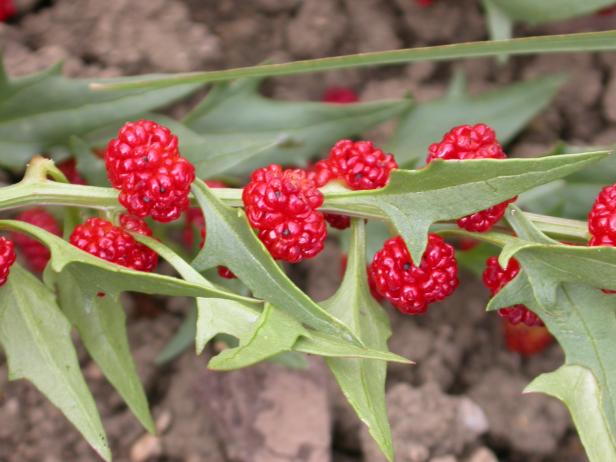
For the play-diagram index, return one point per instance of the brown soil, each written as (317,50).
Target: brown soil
(462,401)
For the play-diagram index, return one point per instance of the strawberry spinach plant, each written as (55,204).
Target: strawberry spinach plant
(88,240)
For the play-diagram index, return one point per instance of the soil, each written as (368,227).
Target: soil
(462,402)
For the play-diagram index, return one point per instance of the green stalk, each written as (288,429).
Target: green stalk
(567,43)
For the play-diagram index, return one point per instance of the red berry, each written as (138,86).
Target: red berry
(340,95)
(7,258)
(360,164)
(322,172)
(134,225)
(69,168)
(602,218)
(526,340)
(378,297)
(274,194)
(226,273)
(472,142)
(294,239)
(338,221)
(7,9)
(144,163)
(495,278)
(104,240)
(35,253)
(412,288)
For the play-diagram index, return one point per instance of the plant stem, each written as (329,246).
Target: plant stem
(36,191)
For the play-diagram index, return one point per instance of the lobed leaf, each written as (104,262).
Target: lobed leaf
(446,190)
(36,338)
(363,380)
(101,324)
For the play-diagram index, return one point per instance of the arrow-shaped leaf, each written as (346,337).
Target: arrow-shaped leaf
(445,190)
(36,338)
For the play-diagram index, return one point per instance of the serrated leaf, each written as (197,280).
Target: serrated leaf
(577,387)
(304,129)
(363,380)
(231,242)
(445,190)
(507,110)
(40,112)
(537,12)
(96,275)
(101,324)
(36,338)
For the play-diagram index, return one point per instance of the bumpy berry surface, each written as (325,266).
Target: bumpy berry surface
(338,221)
(274,194)
(104,240)
(322,172)
(340,95)
(495,278)
(412,288)
(69,168)
(526,340)
(7,258)
(472,142)
(196,220)
(295,238)
(35,253)
(361,164)
(144,163)
(602,218)
(7,9)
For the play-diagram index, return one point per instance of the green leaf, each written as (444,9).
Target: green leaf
(36,338)
(95,275)
(273,332)
(182,339)
(537,12)
(577,387)
(231,242)
(363,380)
(239,112)
(507,110)
(101,324)
(446,190)
(40,112)
(586,41)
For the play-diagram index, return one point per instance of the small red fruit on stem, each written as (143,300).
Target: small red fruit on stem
(7,9)
(409,287)
(495,277)
(7,258)
(144,163)
(472,142)
(112,243)
(35,253)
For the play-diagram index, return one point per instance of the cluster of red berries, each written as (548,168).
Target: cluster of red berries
(144,163)
(472,142)
(282,206)
(196,220)
(114,243)
(7,258)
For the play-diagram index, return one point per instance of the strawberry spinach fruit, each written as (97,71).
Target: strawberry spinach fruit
(93,216)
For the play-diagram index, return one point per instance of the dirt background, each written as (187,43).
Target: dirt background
(462,402)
